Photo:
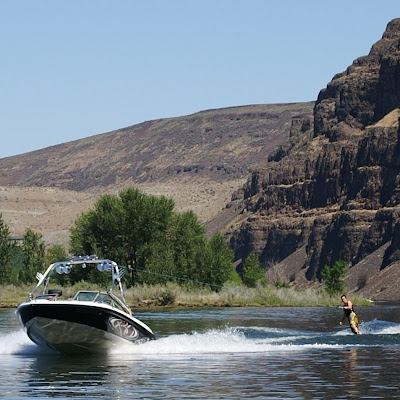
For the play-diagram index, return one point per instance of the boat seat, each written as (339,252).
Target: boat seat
(55,292)
(46,296)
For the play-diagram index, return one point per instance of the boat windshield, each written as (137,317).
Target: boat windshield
(102,297)
(86,296)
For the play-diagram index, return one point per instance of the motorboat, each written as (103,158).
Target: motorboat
(90,322)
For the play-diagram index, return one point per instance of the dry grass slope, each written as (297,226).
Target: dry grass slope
(198,160)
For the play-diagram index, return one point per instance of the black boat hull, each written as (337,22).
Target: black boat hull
(73,327)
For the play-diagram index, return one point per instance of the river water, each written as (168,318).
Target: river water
(219,353)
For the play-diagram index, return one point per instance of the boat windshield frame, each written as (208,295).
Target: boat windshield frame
(102,298)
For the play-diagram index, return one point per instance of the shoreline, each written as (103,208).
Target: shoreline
(172,295)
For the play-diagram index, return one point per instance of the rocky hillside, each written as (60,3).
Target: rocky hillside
(332,191)
(198,160)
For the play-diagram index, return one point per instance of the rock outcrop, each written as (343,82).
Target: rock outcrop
(333,189)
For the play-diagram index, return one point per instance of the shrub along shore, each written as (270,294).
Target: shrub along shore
(174,295)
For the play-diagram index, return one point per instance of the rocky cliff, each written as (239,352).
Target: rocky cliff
(333,190)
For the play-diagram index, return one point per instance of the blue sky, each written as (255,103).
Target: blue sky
(71,69)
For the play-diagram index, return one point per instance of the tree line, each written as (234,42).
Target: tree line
(141,232)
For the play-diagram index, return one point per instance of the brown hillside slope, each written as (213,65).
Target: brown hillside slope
(198,160)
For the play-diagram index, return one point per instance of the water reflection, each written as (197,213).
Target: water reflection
(351,378)
(56,375)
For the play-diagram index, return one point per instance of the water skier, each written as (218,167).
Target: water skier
(348,312)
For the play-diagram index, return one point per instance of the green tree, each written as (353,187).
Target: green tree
(333,277)
(80,241)
(218,261)
(16,265)
(57,253)
(234,278)
(252,271)
(159,267)
(33,247)
(99,232)
(188,242)
(144,233)
(145,222)
(124,228)
(7,249)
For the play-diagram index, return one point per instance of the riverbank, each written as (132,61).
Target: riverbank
(173,295)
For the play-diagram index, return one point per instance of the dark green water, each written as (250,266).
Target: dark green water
(224,353)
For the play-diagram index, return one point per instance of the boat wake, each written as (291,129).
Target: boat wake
(378,327)
(18,343)
(236,340)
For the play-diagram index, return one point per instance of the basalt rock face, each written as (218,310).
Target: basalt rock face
(334,188)
(363,94)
